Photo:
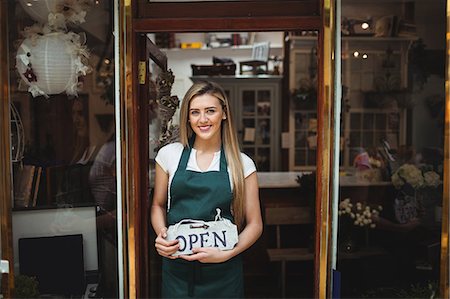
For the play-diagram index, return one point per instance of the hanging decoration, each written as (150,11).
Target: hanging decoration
(51,59)
(167,105)
(51,63)
(43,11)
(17,135)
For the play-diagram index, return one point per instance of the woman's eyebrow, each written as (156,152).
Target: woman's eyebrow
(211,107)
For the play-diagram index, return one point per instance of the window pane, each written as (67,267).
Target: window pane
(391,196)
(62,94)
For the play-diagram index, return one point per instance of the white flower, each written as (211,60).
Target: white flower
(361,213)
(432,179)
(412,175)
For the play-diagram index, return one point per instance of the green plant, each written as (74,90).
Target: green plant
(26,287)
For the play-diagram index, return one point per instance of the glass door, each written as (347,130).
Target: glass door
(391,184)
(63,145)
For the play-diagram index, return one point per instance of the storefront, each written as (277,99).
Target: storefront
(352,153)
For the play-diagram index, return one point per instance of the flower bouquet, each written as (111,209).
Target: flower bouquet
(360,213)
(353,217)
(419,188)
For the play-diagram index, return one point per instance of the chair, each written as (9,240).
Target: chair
(278,216)
(260,57)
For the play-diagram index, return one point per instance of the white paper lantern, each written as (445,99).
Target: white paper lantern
(51,63)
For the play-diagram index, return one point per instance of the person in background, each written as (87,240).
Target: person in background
(83,151)
(102,176)
(202,172)
(103,184)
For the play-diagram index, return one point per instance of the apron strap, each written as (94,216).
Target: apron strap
(223,160)
(185,155)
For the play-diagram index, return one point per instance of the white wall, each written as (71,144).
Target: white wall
(57,222)
(180,60)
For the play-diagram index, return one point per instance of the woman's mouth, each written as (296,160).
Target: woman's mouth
(204,128)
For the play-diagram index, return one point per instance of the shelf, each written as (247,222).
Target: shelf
(360,38)
(233,48)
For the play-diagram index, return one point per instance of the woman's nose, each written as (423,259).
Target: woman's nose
(203,117)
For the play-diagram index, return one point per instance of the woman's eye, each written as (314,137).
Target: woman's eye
(194,112)
(211,111)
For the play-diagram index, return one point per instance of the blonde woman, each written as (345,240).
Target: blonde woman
(202,172)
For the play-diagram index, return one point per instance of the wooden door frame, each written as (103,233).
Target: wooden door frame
(246,16)
(5,157)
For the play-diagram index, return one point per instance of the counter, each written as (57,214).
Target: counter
(289,180)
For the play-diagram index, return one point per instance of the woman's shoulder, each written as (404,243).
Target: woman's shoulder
(168,156)
(246,158)
(248,164)
(171,148)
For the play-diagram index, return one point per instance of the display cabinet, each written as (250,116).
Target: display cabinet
(255,101)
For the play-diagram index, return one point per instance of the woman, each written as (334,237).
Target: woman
(205,171)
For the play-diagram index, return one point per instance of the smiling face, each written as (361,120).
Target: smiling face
(205,117)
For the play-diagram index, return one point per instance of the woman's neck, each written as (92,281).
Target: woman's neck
(207,146)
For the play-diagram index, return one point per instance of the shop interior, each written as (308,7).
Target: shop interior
(390,158)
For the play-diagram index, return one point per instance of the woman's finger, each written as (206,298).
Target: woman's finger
(167,249)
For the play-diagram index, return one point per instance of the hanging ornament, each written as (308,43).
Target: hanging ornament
(43,11)
(17,135)
(52,63)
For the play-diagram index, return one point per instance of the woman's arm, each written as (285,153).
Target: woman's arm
(247,237)
(158,214)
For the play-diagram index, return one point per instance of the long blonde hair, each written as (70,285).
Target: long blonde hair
(229,141)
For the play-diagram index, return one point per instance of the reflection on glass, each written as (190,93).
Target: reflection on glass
(66,183)
(392,164)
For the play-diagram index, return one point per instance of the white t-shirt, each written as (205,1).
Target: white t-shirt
(169,156)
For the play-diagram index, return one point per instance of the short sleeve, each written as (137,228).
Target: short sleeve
(169,155)
(248,164)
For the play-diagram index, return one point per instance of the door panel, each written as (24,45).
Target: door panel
(59,199)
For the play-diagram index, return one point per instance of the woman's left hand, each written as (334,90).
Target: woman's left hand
(207,255)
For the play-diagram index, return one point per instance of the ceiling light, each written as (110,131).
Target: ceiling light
(365,56)
(29,4)
(365,25)
(356,54)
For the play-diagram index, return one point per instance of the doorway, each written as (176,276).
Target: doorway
(160,20)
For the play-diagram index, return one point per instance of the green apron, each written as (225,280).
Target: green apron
(196,195)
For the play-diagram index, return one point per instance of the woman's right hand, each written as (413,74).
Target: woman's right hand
(166,248)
